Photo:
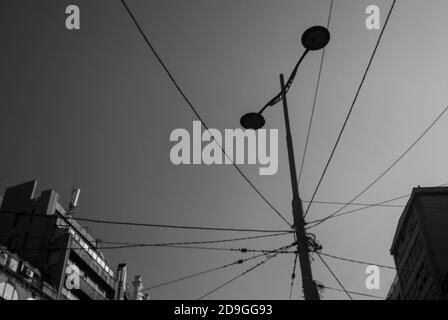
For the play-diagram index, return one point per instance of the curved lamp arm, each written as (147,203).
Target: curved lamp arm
(288,84)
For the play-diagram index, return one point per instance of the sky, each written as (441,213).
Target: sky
(95,102)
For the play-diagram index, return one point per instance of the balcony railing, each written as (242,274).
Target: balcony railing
(90,290)
(93,264)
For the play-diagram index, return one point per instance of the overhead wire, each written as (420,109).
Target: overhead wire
(293,275)
(241,250)
(195,242)
(401,206)
(367,206)
(354,292)
(190,104)
(361,204)
(378,265)
(358,209)
(153,225)
(239,261)
(184,244)
(388,168)
(112,245)
(305,149)
(334,275)
(351,108)
(269,257)
(129,246)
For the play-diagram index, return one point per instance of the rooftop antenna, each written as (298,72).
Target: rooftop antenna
(73,204)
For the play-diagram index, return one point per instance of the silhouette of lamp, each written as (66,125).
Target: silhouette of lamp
(313,39)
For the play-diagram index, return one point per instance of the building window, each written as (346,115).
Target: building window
(13,264)
(3,258)
(8,292)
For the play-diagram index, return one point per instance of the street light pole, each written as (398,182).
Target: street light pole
(309,286)
(313,39)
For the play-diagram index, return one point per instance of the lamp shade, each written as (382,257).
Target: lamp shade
(252,120)
(315,38)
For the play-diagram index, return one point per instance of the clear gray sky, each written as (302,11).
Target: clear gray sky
(95,102)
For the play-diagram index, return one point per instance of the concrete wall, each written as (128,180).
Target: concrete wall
(434,211)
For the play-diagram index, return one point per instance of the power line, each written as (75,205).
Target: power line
(356,261)
(354,292)
(367,206)
(129,246)
(351,107)
(359,204)
(315,99)
(182,227)
(378,265)
(334,276)
(190,104)
(237,277)
(293,275)
(178,226)
(141,224)
(172,244)
(153,225)
(378,205)
(194,242)
(240,261)
(388,168)
(241,250)
(359,209)
(177,245)
(243,274)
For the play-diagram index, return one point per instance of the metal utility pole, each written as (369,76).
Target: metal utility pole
(313,39)
(309,286)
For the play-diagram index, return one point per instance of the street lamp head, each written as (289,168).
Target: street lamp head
(252,120)
(315,38)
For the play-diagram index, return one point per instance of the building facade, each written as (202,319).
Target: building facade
(420,247)
(21,281)
(40,231)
